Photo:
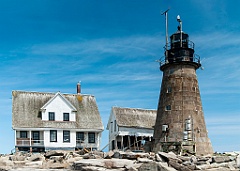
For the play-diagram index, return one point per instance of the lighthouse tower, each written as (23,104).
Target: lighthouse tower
(180,124)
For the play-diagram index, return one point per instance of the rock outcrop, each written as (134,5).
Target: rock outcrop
(118,160)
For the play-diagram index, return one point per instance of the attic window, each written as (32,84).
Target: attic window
(65,116)
(51,116)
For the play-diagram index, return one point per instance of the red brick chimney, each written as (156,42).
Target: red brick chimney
(78,88)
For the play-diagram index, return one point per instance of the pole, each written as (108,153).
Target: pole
(166,23)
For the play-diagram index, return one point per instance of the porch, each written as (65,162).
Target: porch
(29,138)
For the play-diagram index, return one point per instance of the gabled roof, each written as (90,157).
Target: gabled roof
(63,98)
(26,107)
(133,117)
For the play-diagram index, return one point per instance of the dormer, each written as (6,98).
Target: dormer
(58,108)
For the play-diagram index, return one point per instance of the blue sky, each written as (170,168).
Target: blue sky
(111,47)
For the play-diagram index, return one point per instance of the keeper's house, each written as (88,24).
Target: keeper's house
(55,121)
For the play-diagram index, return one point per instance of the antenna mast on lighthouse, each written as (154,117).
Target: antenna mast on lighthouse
(166,21)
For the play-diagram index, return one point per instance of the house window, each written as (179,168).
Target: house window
(91,137)
(168,107)
(115,126)
(111,126)
(65,116)
(66,136)
(80,137)
(36,136)
(53,136)
(51,116)
(23,134)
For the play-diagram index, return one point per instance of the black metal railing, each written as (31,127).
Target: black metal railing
(195,59)
(188,44)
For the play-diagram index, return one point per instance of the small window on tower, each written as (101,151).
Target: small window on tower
(171,71)
(169,89)
(168,107)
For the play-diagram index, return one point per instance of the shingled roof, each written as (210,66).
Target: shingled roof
(132,117)
(26,107)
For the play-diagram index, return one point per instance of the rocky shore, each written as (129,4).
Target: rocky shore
(117,160)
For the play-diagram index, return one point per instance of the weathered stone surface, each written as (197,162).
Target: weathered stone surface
(221,159)
(98,154)
(144,160)
(117,155)
(135,161)
(154,166)
(158,158)
(238,161)
(150,166)
(107,163)
(174,163)
(184,158)
(57,159)
(109,155)
(54,153)
(17,158)
(35,164)
(167,156)
(36,157)
(134,156)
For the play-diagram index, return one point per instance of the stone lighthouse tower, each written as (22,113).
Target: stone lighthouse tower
(180,124)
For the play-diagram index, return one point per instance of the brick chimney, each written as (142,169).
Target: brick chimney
(78,88)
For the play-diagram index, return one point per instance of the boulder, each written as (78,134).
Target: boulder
(54,153)
(36,157)
(176,165)
(109,155)
(166,156)
(221,159)
(154,166)
(238,161)
(144,160)
(17,158)
(106,163)
(158,158)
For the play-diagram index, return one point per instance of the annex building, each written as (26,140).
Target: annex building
(130,128)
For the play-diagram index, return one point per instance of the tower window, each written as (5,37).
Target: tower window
(171,71)
(168,107)
(169,89)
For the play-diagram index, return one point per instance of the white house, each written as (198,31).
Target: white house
(130,128)
(48,121)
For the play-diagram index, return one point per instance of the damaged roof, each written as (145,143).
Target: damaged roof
(133,117)
(26,107)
